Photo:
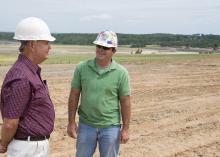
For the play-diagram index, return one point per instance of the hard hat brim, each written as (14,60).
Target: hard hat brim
(46,38)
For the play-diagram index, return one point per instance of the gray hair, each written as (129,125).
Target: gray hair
(23,44)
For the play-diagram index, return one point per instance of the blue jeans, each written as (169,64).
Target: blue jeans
(88,137)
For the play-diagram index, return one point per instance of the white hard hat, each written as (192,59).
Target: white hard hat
(107,38)
(33,28)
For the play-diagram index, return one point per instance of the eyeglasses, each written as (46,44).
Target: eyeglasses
(103,47)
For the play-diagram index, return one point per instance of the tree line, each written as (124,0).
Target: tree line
(136,40)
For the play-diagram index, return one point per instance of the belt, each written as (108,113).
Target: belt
(30,138)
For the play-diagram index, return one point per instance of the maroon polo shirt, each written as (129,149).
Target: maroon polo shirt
(25,95)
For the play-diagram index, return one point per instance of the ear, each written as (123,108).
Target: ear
(114,50)
(31,44)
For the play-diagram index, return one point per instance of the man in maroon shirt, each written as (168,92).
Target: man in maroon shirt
(26,108)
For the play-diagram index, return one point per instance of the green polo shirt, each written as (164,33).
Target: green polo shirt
(100,92)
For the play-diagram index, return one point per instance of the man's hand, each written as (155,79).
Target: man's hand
(3,149)
(72,130)
(124,136)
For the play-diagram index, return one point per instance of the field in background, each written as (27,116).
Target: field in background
(175,101)
(68,54)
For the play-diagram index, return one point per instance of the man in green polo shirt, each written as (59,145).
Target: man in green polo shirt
(104,91)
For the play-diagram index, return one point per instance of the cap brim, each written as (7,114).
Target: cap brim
(102,44)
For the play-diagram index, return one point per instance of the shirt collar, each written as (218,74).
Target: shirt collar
(33,67)
(112,66)
(93,66)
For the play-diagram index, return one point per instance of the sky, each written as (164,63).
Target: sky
(121,16)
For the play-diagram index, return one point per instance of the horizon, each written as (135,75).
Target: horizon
(200,34)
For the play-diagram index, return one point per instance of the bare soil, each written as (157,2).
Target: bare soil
(175,109)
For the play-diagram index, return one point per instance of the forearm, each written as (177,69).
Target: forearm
(72,105)
(125,112)
(125,117)
(8,131)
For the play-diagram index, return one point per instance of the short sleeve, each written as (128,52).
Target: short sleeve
(76,80)
(16,95)
(124,86)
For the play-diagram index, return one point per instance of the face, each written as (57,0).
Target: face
(104,53)
(41,50)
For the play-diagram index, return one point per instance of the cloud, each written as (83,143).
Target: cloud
(96,17)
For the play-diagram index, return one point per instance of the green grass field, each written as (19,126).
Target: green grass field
(68,54)
(7,59)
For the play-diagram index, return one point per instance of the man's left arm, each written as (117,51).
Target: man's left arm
(126,114)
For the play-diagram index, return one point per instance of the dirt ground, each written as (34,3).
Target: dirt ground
(175,109)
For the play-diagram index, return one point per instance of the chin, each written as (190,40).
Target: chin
(44,59)
(100,57)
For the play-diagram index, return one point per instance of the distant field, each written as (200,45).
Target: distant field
(6,59)
(65,54)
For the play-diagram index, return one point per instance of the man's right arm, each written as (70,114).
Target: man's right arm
(72,108)
(15,102)
(8,131)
